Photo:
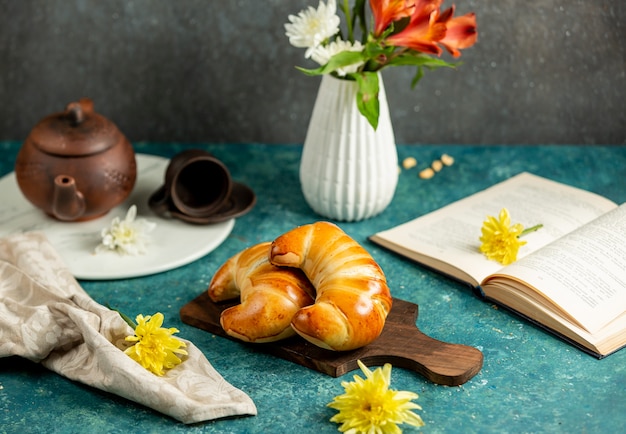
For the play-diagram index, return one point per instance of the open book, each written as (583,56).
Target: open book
(570,276)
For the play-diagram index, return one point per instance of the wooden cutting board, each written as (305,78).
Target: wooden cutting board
(401,343)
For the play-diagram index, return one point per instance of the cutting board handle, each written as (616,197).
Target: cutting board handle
(404,345)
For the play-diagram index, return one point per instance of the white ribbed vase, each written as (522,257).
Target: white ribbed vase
(348,170)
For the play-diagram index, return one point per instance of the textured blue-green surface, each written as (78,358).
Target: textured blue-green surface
(530,382)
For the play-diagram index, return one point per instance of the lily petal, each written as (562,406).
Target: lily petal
(424,29)
(430,27)
(461,33)
(386,12)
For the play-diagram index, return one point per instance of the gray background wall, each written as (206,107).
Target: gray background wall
(214,71)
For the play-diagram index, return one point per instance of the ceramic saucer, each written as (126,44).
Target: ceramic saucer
(241,200)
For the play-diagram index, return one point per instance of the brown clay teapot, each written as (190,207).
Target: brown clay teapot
(76,165)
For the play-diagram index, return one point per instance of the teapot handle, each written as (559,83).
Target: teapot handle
(77,111)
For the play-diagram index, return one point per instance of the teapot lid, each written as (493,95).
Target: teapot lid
(78,131)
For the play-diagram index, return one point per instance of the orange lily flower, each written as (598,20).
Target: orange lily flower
(460,33)
(429,27)
(386,12)
(423,31)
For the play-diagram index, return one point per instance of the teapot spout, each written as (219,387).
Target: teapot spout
(68,204)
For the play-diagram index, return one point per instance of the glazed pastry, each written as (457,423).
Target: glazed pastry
(270,296)
(352,300)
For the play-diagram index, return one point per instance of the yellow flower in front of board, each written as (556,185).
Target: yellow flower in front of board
(155,348)
(500,240)
(369,406)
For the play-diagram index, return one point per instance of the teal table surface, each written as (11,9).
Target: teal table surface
(530,382)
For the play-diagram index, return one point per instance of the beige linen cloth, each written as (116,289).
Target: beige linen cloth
(46,317)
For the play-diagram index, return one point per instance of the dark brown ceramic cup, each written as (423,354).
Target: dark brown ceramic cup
(196,185)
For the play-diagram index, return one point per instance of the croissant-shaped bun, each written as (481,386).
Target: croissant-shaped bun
(270,295)
(353,298)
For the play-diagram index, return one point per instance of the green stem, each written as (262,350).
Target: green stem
(375,65)
(346,10)
(531,229)
(125,317)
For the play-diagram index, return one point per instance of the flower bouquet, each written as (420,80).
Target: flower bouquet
(404,32)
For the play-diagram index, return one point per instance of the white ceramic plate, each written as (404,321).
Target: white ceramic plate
(173,243)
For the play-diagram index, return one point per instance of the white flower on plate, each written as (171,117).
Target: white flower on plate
(311,27)
(128,236)
(323,53)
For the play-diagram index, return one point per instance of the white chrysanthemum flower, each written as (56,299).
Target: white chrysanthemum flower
(128,236)
(311,27)
(323,53)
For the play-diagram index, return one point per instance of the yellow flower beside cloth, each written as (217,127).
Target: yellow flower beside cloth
(66,331)
(154,346)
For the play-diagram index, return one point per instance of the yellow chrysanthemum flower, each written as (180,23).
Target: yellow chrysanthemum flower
(369,406)
(155,349)
(500,240)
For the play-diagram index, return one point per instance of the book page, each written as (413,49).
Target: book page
(451,234)
(583,273)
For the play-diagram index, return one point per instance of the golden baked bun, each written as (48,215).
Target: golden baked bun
(270,296)
(353,298)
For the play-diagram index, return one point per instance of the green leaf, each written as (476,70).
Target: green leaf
(420,60)
(339,60)
(367,96)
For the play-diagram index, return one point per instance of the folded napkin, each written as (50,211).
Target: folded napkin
(46,317)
